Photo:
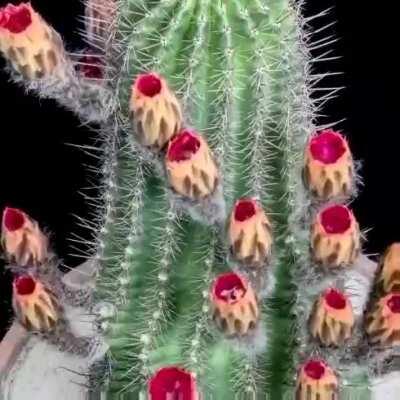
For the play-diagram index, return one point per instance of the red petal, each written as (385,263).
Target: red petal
(327,147)
(24,285)
(183,146)
(335,299)
(336,219)
(229,287)
(13,219)
(244,209)
(149,84)
(15,18)
(394,303)
(172,383)
(314,369)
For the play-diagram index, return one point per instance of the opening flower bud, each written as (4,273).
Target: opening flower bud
(335,237)
(234,304)
(23,241)
(328,167)
(382,323)
(192,171)
(250,233)
(35,307)
(332,318)
(316,380)
(33,48)
(156,112)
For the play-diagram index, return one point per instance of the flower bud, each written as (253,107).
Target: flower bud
(157,114)
(191,169)
(389,271)
(332,318)
(23,241)
(250,234)
(35,306)
(335,237)
(34,49)
(328,171)
(234,305)
(316,381)
(382,323)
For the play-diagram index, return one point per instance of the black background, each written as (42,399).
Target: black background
(43,175)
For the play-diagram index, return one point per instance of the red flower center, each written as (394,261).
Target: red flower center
(229,288)
(394,303)
(15,18)
(149,84)
(91,67)
(25,285)
(327,147)
(314,369)
(244,210)
(13,219)
(336,219)
(172,383)
(183,146)
(335,299)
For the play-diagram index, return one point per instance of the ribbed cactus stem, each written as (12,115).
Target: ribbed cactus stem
(211,236)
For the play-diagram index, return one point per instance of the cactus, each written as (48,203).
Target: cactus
(227,260)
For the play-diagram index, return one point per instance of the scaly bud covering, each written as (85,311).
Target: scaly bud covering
(250,235)
(316,381)
(191,169)
(172,383)
(332,318)
(383,321)
(28,42)
(329,171)
(234,304)
(22,240)
(389,274)
(157,114)
(335,237)
(35,306)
